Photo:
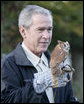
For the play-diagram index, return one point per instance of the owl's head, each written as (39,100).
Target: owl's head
(64,45)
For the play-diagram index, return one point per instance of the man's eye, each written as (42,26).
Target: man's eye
(43,29)
(40,30)
(50,29)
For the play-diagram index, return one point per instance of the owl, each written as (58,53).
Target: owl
(59,62)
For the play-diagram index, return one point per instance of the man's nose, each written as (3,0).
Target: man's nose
(46,34)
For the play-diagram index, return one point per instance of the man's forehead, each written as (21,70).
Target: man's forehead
(41,17)
(42,22)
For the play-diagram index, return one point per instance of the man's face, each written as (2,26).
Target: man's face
(39,34)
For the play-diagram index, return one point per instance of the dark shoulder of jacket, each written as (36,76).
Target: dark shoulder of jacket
(6,57)
(11,55)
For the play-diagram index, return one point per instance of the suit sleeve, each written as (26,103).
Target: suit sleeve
(14,92)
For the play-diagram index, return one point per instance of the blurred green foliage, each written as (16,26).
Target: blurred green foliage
(68,24)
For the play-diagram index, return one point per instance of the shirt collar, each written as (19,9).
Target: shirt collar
(33,58)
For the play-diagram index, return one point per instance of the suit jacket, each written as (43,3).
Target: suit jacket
(17,75)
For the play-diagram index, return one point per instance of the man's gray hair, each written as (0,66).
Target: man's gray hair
(25,17)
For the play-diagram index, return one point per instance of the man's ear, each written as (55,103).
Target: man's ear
(22,31)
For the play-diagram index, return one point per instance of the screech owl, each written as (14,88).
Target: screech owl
(59,59)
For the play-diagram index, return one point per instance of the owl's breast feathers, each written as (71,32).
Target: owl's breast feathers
(57,56)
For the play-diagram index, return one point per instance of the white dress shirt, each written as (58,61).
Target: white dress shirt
(36,61)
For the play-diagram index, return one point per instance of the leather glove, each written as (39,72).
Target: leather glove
(44,79)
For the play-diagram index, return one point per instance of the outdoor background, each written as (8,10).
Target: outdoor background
(68,26)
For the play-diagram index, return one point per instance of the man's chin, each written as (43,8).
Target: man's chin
(40,51)
(43,50)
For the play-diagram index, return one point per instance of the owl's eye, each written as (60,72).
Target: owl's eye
(64,45)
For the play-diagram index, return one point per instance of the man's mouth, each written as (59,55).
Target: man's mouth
(44,42)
